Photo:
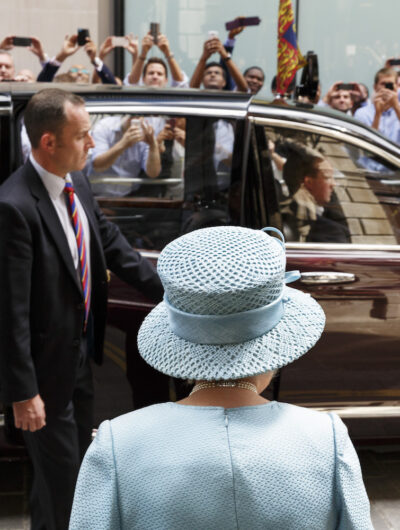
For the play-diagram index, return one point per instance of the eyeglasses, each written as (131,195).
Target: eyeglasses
(80,70)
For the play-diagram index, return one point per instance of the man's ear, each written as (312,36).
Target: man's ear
(48,142)
(307,182)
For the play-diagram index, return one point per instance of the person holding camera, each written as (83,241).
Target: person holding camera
(337,98)
(7,68)
(124,147)
(154,72)
(212,74)
(383,113)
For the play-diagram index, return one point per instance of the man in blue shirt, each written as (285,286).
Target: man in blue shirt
(383,113)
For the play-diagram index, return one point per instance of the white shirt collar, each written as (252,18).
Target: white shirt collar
(53,183)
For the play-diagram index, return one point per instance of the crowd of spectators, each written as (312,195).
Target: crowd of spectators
(215,70)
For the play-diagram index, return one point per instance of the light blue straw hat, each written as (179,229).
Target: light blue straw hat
(227,312)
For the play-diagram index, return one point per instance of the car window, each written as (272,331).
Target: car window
(157,195)
(332,192)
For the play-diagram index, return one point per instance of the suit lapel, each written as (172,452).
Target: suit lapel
(51,221)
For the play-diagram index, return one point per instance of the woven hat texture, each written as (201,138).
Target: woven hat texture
(222,271)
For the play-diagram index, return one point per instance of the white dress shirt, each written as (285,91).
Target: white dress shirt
(55,188)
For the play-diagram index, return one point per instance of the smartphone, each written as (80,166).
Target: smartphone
(82,34)
(394,62)
(346,86)
(390,86)
(119,42)
(136,122)
(242,21)
(22,41)
(213,34)
(154,30)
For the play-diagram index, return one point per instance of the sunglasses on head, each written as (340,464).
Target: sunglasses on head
(76,70)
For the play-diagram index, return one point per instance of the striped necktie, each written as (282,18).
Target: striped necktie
(80,241)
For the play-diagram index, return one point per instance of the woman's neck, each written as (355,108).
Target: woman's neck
(229,394)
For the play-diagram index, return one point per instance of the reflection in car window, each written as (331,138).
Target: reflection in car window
(329,191)
(191,188)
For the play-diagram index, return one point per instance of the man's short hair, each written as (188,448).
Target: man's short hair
(45,112)
(214,63)
(157,60)
(5,52)
(384,71)
(254,68)
(301,162)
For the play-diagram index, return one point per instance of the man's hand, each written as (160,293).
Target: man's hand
(358,93)
(37,49)
(211,46)
(147,43)
(69,47)
(30,415)
(163,44)
(384,99)
(132,46)
(90,49)
(233,32)
(132,135)
(148,134)
(166,134)
(7,43)
(180,135)
(332,92)
(388,61)
(106,47)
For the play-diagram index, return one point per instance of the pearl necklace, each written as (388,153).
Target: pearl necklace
(225,384)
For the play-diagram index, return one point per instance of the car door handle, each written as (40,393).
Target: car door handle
(313,278)
(390,182)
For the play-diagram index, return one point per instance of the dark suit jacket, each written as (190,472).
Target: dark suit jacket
(41,302)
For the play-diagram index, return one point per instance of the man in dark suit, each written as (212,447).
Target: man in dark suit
(55,248)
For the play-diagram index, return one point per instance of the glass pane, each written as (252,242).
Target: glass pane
(187,22)
(333,192)
(361,42)
(190,188)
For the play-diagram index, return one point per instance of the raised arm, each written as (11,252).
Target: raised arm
(209,48)
(176,72)
(234,71)
(137,67)
(132,135)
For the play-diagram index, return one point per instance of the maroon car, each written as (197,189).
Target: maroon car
(230,159)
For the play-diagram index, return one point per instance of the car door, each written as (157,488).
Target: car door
(199,185)
(351,264)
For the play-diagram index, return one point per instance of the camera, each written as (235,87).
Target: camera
(154,30)
(22,41)
(82,35)
(309,78)
(390,86)
(346,86)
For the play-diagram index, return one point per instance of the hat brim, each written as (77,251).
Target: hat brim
(296,333)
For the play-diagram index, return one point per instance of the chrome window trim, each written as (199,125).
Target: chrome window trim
(344,135)
(328,121)
(140,108)
(348,247)
(367,411)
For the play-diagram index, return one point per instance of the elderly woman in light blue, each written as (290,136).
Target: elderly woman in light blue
(224,457)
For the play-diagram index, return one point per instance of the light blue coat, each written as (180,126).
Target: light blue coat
(177,467)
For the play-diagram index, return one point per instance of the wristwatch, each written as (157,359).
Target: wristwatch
(227,58)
